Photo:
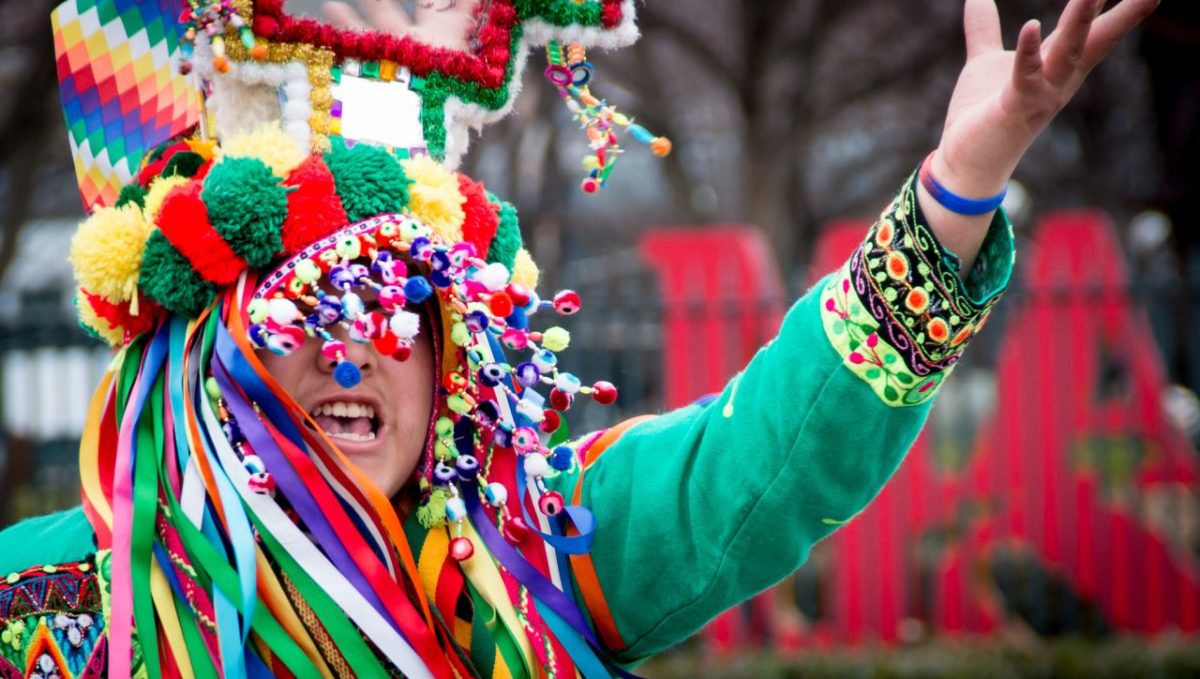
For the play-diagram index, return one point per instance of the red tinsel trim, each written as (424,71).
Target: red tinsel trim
(118,316)
(487,68)
(482,216)
(183,219)
(314,208)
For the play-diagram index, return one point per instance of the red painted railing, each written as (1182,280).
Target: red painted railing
(1076,470)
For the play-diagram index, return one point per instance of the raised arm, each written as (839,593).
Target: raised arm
(703,507)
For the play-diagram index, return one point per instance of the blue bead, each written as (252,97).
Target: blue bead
(487,411)
(527,374)
(518,319)
(417,289)
(477,320)
(468,467)
(444,474)
(440,278)
(258,335)
(347,374)
(491,374)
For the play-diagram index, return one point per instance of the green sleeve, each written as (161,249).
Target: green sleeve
(63,537)
(701,508)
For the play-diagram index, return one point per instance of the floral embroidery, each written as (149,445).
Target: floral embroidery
(898,312)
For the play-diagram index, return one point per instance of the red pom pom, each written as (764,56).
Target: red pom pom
(612,14)
(183,219)
(118,316)
(482,216)
(314,208)
(265,26)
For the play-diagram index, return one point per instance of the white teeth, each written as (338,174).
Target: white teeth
(349,436)
(344,409)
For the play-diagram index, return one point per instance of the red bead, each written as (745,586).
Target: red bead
(387,345)
(567,302)
(501,305)
(604,393)
(461,549)
(454,382)
(515,530)
(551,503)
(403,352)
(590,185)
(519,294)
(551,421)
(560,400)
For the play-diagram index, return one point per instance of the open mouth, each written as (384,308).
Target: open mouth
(353,421)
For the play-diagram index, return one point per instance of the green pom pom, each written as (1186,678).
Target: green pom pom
(183,164)
(168,278)
(369,180)
(247,205)
(131,193)
(432,513)
(507,242)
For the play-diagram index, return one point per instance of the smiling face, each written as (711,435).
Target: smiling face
(381,423)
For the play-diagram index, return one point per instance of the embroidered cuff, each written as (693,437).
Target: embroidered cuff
(898,312)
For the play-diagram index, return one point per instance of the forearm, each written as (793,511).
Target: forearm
(963,234)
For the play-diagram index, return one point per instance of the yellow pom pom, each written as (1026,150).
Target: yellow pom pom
(159,188)
(434,197)
(269,144)
(525,271)
(90,319)
(106,252)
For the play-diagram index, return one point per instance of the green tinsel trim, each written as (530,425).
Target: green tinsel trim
(168,278)
(432,513)
(369,179)
(183,164)
(246,206)
(131,193)
(561,12)
(507,242)
(437,87)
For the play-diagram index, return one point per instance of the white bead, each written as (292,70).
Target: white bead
(496,494)
(456,509)
(567,382)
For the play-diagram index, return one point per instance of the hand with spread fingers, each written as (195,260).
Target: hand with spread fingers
(1004,99)
(440,23)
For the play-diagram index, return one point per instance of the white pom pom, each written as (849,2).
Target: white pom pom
(536,465)
(493,276)
(405,324)
(282,311)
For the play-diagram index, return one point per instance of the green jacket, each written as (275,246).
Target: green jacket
(696,509)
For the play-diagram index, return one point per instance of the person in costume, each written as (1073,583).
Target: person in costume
(332,439)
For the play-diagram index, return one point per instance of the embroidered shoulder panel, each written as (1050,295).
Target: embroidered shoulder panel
(51,622)
(899,314)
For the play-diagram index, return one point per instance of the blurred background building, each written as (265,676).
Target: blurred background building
(1054,493)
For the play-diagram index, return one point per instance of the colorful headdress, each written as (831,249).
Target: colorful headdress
(269,203)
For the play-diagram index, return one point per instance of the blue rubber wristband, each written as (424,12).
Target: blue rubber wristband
(954,202)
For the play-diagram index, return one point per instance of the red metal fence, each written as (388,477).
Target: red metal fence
(1068,504)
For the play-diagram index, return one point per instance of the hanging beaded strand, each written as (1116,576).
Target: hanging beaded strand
(570,72)
(214,18)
